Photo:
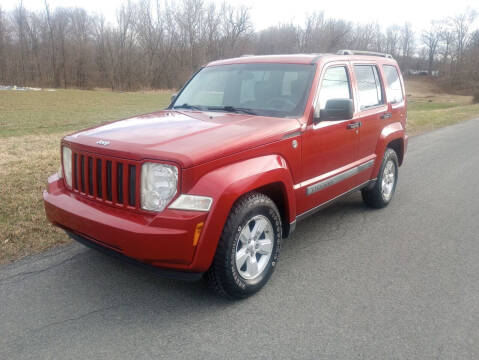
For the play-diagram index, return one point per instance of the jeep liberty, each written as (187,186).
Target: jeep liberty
(247,148)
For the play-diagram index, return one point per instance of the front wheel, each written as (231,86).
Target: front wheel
(248,249)
(382,192)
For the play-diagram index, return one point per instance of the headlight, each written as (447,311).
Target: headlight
(192,202)
(67,165)
(158,185)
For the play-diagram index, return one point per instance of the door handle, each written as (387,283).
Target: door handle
(386,115)
(354,125)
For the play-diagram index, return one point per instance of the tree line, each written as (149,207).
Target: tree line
(159,44)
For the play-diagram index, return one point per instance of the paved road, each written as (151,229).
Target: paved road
(352,283)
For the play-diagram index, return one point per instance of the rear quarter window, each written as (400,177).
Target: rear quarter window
(394,91)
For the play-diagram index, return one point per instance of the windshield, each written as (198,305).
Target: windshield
(260,89)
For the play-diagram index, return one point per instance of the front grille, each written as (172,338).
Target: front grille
(106,179)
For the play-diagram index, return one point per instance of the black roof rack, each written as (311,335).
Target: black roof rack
(360,52)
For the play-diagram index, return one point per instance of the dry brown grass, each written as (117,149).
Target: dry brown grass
(429,107)
(32,124)
(25,164)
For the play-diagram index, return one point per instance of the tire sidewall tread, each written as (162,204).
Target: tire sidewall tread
(223,277)
(373,197)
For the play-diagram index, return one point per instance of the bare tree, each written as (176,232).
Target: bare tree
(20,20)
(278,40)
(407,44)
(364,36)
(80,36)
(51,31)
(190,20)
(236,25)
(462,23)
(62,19)
(3,47)
(124,45)
(393,40)
(309,36)
(431,39)
(159,43)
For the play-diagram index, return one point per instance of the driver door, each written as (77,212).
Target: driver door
(329,147)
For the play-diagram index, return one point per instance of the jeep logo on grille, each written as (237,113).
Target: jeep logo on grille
(103,142)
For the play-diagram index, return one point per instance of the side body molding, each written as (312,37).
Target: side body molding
(225,185)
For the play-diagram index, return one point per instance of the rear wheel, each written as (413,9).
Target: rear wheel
(384,188)
(248,249)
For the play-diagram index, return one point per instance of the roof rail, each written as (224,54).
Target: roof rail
(359,52)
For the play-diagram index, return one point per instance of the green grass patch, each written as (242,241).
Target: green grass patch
(421,105)
(63,111)
(31,127)
(425,120)
(32,124)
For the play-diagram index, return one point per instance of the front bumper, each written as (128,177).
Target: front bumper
(172,274)
(163,240)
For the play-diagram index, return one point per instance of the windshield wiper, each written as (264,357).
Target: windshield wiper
(187,106)
(234,109)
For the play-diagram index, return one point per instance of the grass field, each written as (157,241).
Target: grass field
(32,124)
(429,108)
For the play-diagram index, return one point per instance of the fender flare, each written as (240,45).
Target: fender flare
(226,185)
(389,133)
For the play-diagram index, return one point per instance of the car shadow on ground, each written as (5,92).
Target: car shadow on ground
(132,284)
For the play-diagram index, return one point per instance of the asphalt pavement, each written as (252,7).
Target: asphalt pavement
(351,283)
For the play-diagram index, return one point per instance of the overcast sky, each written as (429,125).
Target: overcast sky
(266,13)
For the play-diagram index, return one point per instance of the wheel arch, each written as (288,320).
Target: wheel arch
(392,136)
(268,174)
(398,146)
(276,191)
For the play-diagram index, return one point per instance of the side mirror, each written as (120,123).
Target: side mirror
(336,109)
(173,97)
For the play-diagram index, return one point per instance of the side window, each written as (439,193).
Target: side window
(369,86)
(394,89)
(335,85)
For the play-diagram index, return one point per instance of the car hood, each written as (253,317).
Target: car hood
(185,137)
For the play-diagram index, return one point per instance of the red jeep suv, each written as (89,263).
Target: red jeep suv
(249,146)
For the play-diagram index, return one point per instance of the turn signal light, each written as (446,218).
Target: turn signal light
(198,229)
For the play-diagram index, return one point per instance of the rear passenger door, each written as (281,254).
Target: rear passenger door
(372,108)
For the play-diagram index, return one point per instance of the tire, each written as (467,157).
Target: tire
(230,276)
(381,194)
